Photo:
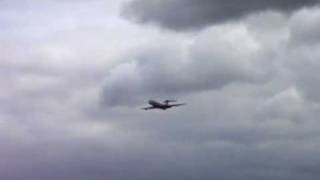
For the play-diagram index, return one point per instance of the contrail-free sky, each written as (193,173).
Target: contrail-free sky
(74,75)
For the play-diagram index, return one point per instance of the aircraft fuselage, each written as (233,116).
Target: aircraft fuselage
(158,105)
(165,105)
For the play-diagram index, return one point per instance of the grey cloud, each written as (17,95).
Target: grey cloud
(170,70)
(184,15)
(303,65)
(190,143)
(219,135)
(305,26)
(285,105)
(245,85)
(245,126)
(302,52)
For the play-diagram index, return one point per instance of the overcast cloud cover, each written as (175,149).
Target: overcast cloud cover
(74,75)
(195,14)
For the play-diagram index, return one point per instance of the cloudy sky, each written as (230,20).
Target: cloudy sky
(74,75)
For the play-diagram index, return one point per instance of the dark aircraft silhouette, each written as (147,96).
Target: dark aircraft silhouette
(165,105)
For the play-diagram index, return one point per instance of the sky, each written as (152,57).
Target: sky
(74,75)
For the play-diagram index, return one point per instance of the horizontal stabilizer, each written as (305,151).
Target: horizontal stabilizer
(182,104)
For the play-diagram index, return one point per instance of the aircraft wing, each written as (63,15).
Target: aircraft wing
(147,108)
(173,105)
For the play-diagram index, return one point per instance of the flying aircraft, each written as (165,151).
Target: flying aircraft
(165,105)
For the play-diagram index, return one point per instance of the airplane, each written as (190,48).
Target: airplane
(163,106)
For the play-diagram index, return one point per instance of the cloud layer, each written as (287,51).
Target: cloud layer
(184,15)
(74,76)
(170,69)
(251,93)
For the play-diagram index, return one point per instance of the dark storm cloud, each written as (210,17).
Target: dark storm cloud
(194,14)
